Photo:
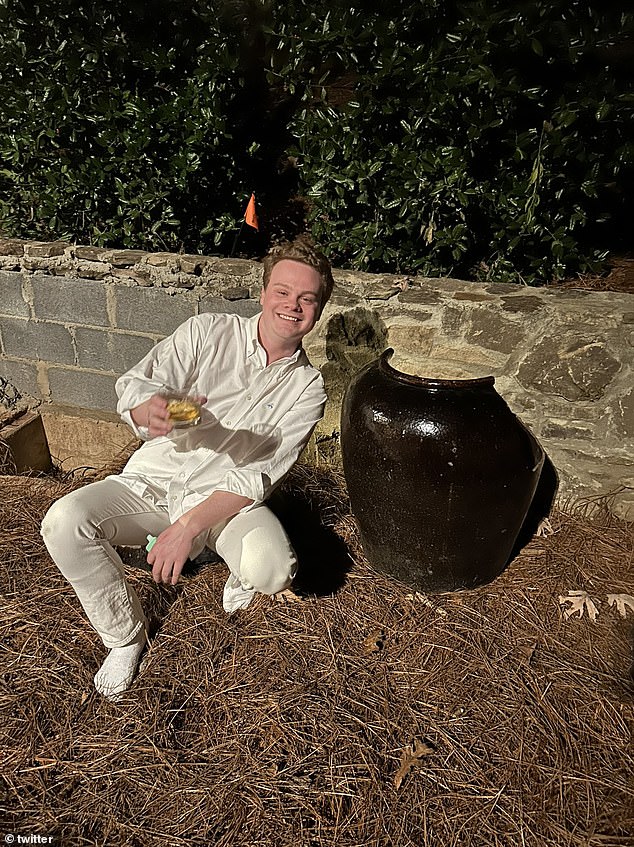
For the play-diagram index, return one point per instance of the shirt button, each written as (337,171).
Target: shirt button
(248,396)
(228,423)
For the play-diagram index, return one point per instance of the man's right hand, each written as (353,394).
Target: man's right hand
(153,415)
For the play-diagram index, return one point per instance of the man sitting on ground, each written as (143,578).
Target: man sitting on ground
(206,485)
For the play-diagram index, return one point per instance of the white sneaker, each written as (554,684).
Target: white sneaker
(236,597)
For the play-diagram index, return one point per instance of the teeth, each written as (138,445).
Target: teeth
(288,318)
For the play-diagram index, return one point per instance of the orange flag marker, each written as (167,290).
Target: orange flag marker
(250,215)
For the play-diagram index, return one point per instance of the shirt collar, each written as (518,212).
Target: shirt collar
(258,350)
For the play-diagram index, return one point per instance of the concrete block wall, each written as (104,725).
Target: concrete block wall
(73,318)
(66,337)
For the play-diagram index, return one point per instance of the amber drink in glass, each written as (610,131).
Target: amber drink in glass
(183,410)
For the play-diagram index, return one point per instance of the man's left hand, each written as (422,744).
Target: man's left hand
(170,553)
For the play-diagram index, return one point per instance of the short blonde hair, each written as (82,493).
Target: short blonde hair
(302,249)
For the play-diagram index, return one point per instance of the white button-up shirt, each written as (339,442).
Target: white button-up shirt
(255,423)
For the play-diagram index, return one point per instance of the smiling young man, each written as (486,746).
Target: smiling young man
(204,486)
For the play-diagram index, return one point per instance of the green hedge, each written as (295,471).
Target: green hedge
(486,139)
(117,124)
(474,138)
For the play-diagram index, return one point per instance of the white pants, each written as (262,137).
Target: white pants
(81,528)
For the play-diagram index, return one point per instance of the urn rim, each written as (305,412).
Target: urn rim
(429,382)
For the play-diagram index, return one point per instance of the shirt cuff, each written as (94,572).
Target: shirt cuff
(141,432)
(245,483)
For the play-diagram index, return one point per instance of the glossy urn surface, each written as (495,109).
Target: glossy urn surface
(440,475)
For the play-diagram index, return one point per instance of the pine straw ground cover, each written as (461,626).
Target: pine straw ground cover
(361,714)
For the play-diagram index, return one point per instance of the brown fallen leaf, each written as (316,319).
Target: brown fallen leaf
(527,651)
(579,600)
(375,642)
(411,756)
(623,602)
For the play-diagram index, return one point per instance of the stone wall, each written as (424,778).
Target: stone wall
(73,318)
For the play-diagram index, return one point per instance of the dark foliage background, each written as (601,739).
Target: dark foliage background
(469,138)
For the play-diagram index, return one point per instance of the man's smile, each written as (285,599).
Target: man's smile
(287,317)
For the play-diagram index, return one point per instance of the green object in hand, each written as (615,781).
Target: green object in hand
(151,541)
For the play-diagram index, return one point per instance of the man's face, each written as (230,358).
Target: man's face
(291,303)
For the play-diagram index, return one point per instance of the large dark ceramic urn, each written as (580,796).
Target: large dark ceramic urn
(440,474)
